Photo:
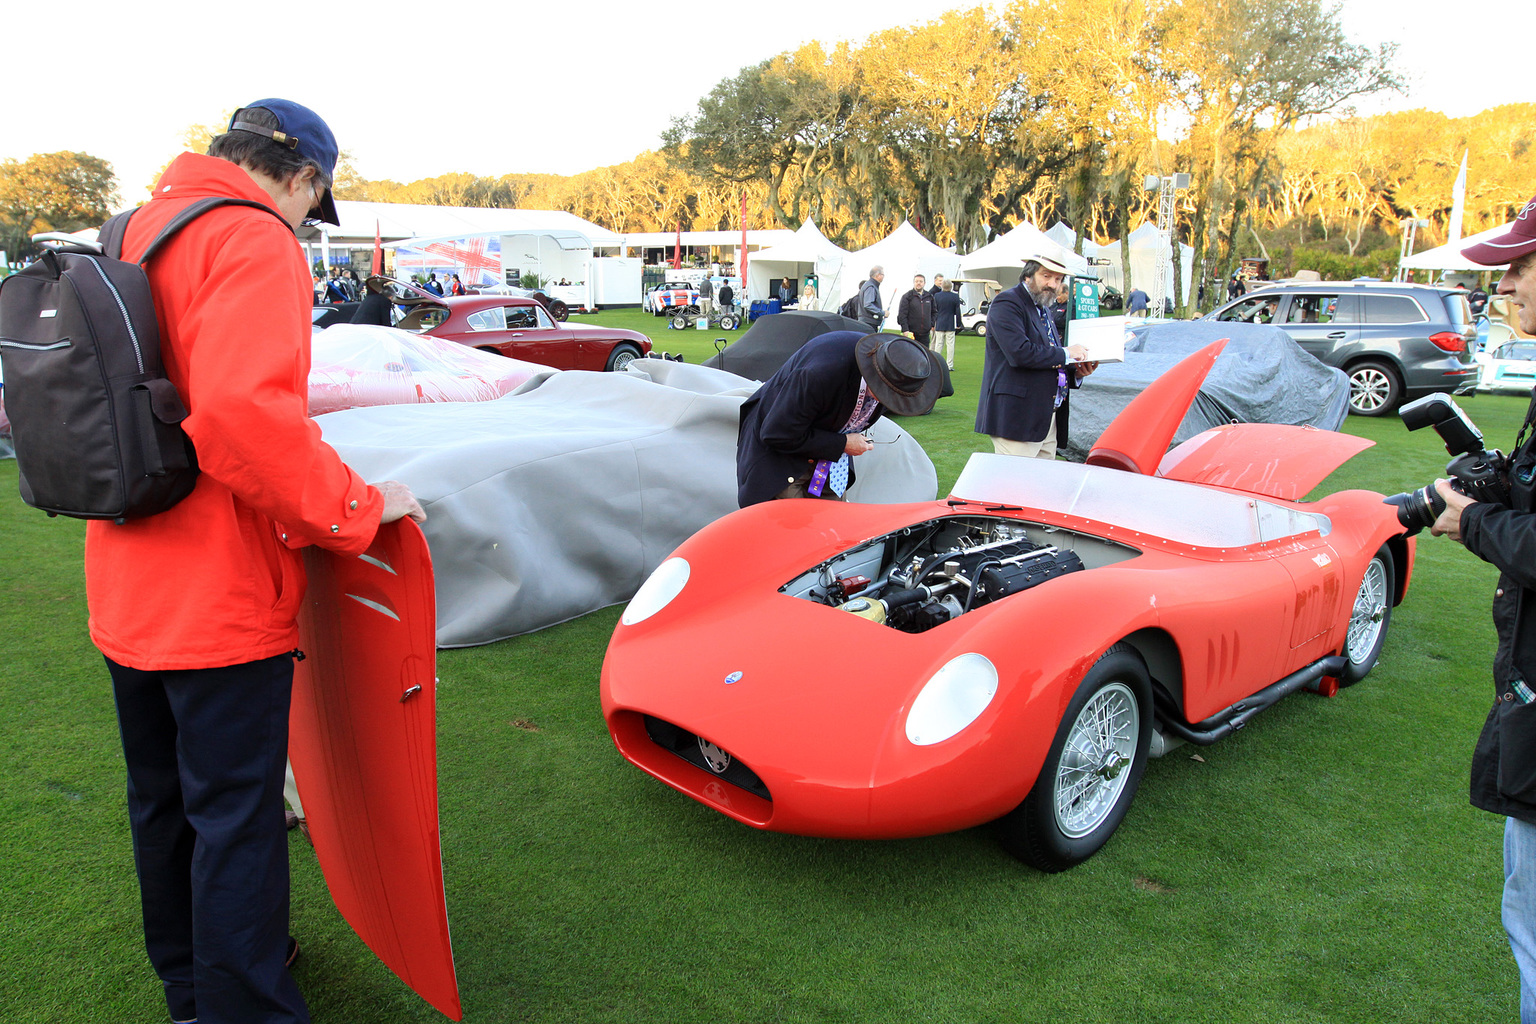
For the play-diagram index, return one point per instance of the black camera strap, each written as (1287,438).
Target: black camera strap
(1525,428)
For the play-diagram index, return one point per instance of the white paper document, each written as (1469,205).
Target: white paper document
(1104,337)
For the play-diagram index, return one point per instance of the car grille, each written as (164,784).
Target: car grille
(684,744)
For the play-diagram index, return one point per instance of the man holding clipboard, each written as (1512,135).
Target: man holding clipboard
(1028,371)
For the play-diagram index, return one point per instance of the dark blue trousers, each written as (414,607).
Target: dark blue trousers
(206,751)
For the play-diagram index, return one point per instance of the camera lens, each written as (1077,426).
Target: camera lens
(1417,510)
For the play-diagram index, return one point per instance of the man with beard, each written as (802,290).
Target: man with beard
(1026,374)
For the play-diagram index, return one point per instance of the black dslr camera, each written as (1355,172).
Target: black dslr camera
(1474,471)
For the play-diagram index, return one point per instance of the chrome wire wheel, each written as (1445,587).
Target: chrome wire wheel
(1099,748)
(1368,618)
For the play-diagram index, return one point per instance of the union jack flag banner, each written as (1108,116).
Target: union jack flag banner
(477,261)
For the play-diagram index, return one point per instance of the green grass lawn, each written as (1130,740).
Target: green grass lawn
(1321,865)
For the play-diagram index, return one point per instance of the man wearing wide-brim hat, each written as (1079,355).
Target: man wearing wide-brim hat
(1025,377)
(1504,760)
(802,430)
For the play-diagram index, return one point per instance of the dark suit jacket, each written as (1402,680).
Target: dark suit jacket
(1018,379)
(797,417)
(946,312)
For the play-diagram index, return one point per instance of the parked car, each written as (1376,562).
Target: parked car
(521,328)
(1508,367)
(1395,341)
(669,299)
(1014,653)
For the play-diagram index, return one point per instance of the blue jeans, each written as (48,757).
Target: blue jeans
(1520,908)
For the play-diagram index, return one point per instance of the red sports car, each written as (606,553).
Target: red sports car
(521,328)
(1016,652)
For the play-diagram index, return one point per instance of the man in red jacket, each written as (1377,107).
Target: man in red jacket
(195,608)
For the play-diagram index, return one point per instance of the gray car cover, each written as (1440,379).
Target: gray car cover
(561,497)
(1262,376)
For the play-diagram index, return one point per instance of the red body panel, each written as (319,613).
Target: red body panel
(364,749)
(1262,458)
(1137,438)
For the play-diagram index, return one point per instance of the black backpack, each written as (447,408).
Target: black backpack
(95,423)
(853,309)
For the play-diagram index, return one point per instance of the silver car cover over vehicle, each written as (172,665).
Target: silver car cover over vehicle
(1262,376)
(561,497)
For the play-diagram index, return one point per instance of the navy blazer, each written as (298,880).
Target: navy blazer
(946,311)
(1018,379)
(797,417)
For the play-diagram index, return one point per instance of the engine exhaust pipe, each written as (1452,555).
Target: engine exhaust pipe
(1229,720)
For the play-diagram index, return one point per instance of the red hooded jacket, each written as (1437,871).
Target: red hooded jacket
(217,580)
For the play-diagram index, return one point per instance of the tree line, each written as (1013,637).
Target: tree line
(1046,110)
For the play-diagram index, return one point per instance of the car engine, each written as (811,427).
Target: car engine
(927,574)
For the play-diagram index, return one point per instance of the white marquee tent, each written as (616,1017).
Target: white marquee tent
(1449,257)
(1002,258)
(1146,249)
(796,259)
(902,254)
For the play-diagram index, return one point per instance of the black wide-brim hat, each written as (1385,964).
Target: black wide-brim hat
(903,374)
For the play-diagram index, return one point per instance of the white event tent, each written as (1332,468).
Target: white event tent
(1003,258)
(1146,250)
(796,259)
(1448,256)
(902,253)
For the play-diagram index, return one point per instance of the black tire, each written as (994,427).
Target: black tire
(727,323)
(680,322)
(1369,617)
(559,310)
(1374,388)
(1053,830)
(621,356)
(981,329)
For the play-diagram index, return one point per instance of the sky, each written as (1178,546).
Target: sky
(416,90)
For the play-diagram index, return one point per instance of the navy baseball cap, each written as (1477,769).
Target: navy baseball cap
(1519,240)
(301,130)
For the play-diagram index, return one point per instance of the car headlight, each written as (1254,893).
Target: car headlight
(952,699)
(656,592)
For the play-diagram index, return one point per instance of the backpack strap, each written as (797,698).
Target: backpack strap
(111,235)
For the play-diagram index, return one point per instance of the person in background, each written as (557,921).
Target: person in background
(706,295)
(808,296)
(321,289)
(872,309)
(455,287)
(195,609)
(914,313)
(727,294)
(946,321)
(938,285)
(432,285)
(1234,286)
(1137,306)
(786,292)
(375,307)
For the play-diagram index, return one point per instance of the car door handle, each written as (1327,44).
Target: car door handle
(1337,335)
(519,334)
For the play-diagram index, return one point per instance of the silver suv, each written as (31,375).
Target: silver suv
(1396,341)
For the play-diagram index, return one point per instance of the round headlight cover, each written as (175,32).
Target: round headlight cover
(656,592)
(956,695)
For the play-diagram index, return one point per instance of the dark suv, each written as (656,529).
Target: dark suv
(1396,341)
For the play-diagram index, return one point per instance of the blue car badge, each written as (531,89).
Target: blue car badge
(734,677)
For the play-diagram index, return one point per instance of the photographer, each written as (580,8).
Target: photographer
(1504,761)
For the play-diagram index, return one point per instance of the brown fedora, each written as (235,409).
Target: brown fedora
(902,373)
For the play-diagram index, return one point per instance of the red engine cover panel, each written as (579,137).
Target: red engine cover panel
(363,742)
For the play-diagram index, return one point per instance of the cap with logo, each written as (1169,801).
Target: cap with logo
(301,130)
(1518,241)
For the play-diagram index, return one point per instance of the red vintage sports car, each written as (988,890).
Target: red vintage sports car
(521,328)
(1016,652)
